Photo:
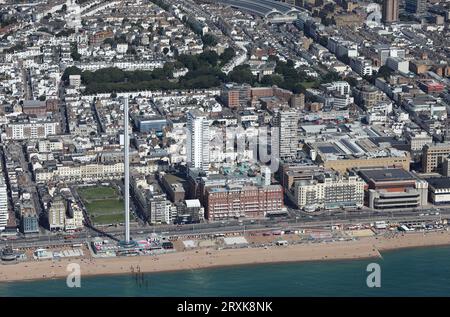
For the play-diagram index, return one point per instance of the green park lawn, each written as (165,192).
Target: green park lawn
(104,204)
(98,192)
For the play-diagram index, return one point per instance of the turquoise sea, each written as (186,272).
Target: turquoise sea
(409,272)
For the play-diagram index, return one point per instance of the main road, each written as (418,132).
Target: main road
(321,221)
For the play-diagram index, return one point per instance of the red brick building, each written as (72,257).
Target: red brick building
(235,95)
(242,201)
(34,107)
(100,36)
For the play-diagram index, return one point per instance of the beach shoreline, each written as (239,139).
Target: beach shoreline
(363,248)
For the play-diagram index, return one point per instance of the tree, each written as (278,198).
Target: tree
(209,40)
(74,52)
(273,58)
(384,72)
(227,55)
(73,70)
(110,41)
(165,50)
(351,81)
(330,77)
(210,57)
(267,80)
(242,74)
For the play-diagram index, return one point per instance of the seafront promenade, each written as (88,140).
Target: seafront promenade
(367,247)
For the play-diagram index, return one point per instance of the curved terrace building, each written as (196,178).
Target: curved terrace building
(272,11)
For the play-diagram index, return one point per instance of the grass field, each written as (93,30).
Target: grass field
(308,84)
(104,204)
(98,192)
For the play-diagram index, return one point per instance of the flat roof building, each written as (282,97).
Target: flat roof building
(433,156)
(393,188)
(439,190)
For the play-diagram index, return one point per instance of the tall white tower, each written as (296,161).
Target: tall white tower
(126,145)
(287,121)
(3,204)
(198,140)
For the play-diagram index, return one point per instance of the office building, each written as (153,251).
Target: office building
(390,11)
(416,6)
(384,51)
(433,156)
(393,188)
(190,211)
(146,124)
(398,64)
(368,96)
(291,172)
(297,101)
(439,190)
(29,222)
(418,140)
(234,95)
(361,66)
(446,132)
(346,154)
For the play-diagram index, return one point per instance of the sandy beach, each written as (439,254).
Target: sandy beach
(369,247)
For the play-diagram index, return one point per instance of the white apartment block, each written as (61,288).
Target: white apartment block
(160,211)
(48,146)
(75,221)
(398,64)
(80,172)
(75,81)
(57,214)
(418,140)
(30,130)
(342,87)
(361,66)
(198,140)
(124,65)
(340,47)
(287,122)
(330,192)
(122,48)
